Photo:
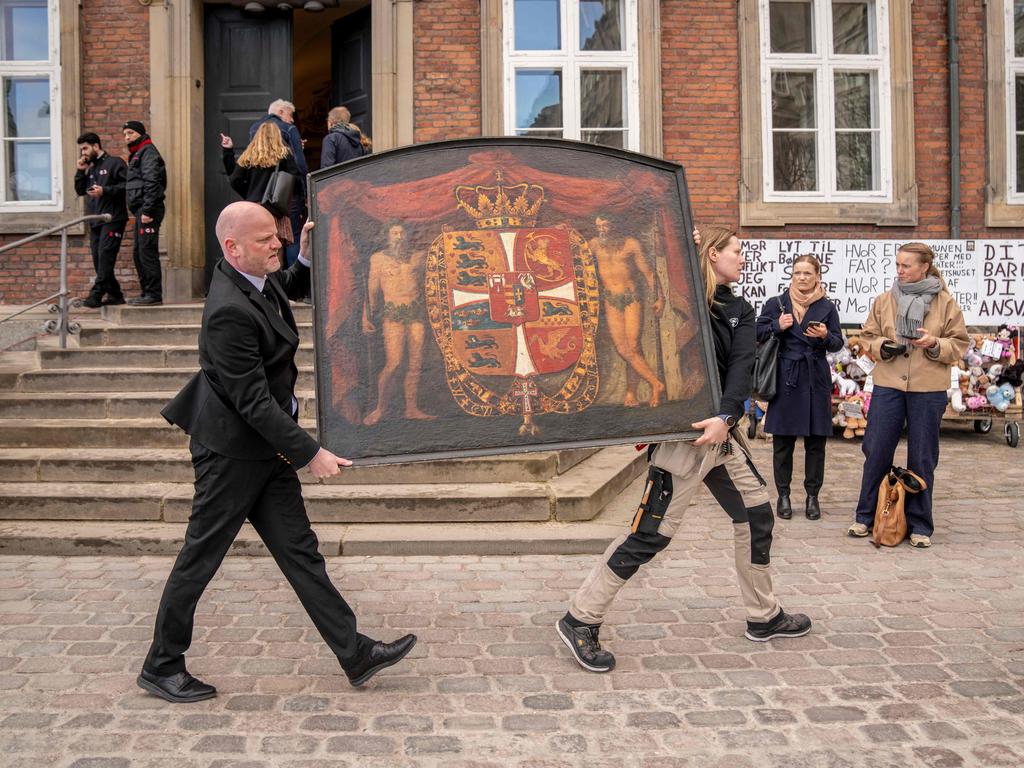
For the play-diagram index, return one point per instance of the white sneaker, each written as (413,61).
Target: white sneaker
(919,541)
(858,530)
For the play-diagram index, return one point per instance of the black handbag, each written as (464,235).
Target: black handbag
(766,366)
(278,194)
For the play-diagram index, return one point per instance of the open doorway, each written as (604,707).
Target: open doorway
(331,67)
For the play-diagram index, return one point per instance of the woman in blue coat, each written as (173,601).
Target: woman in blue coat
(807,324)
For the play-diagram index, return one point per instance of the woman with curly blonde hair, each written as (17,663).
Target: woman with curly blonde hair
(250,174)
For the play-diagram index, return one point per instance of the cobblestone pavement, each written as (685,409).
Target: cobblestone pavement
(916,657)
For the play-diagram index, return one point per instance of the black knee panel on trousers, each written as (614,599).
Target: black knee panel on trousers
(637,549)
(761,523)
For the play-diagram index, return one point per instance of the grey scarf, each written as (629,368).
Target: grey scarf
(912,303)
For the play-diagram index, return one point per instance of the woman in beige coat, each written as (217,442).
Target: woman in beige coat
(915,332)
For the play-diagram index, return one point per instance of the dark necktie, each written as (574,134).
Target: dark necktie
(271,296)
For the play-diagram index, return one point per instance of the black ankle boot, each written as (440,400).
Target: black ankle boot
(813,510)
(783,508)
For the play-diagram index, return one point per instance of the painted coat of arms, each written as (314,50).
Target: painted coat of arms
(514,308)
(493,295)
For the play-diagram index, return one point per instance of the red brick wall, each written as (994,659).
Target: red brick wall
(702,119)
(115,88)
(446,69)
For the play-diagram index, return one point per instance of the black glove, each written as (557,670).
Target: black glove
(890,349)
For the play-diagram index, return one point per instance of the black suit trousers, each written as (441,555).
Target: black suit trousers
(105,242)
(269,494)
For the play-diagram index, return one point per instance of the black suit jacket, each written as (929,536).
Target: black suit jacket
(240,403)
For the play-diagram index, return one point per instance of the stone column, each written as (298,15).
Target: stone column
(176,124)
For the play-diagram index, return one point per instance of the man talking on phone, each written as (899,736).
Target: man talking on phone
(100,179)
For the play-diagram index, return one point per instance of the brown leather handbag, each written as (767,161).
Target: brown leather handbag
(890,527)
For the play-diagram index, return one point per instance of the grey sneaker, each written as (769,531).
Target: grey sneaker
(858,530)
(583,643)
(783,625)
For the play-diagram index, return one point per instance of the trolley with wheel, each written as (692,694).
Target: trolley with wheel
(984,418)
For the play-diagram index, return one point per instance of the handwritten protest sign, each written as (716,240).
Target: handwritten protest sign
(985,276)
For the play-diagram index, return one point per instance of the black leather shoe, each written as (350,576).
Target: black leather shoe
(813,510)
(113,301)
(783,508)
(92,302)
(145,301)
(380,656)
(179,688)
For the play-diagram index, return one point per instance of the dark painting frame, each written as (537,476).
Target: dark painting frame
(367,210)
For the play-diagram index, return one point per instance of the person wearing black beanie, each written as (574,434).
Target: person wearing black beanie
(145,189)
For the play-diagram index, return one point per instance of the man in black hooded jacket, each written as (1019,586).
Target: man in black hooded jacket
(343,140)
(145,189)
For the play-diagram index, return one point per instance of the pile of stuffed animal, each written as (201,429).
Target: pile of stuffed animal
(989,379)
(990,374)
(849,374)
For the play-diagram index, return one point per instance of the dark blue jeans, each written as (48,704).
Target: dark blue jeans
(291,252)
(922,414)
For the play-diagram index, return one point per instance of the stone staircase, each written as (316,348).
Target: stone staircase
(88,465)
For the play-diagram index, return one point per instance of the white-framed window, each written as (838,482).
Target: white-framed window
(1014,51)
(825,89)
(30,141)
(571,70)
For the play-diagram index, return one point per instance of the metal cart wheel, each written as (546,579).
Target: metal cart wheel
(983,426)
(1012,433)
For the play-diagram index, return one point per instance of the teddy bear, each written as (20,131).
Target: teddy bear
(1000,397)
(958,393)
(974,402)
(855,425)
(1011,374)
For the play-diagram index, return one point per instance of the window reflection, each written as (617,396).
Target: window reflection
(538,25)
(24,31)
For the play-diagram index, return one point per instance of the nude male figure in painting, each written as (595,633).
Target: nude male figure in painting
(619,262)
(395,286)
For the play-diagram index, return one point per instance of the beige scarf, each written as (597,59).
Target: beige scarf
(801,301)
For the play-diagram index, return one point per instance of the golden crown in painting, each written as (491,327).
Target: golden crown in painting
(501,206)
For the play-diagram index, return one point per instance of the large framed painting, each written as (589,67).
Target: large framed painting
(500,295)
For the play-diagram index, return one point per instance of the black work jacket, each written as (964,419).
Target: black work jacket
(108,172)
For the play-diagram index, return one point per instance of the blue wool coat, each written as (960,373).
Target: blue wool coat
(802,404)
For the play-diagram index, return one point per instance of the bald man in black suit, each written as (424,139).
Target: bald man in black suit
(246,444)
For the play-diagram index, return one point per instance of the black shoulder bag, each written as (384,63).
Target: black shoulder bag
(278,194)
(766,365)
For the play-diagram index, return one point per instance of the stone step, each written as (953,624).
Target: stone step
(178,314)
(578,494)
(92,433)
(137,357)
(134,539)
(127,380)
(171,502)
(153,335)
(103,405)
(173,465)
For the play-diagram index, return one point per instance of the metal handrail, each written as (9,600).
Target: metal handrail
(62,325)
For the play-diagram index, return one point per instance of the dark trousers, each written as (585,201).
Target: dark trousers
(291,252)
(105,242)
(146,253)
(268,493)
(814,462)
(922,414)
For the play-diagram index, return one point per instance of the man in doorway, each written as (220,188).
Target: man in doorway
(282,114)
(619,261)
(100,178)
(242,415)
(145,189)
(396,277)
